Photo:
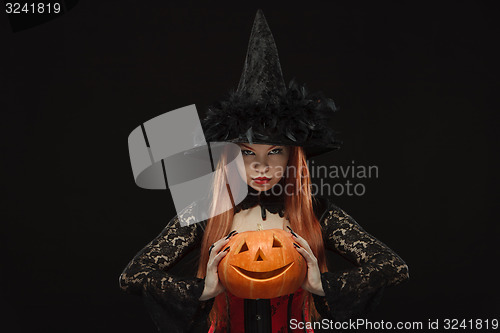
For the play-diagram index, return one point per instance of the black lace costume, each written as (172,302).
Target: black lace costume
(174,301)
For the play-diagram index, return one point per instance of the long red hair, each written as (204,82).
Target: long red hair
(298,210)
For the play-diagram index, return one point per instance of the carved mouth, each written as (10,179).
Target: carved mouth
(262,275)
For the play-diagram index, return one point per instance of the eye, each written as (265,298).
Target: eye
(247,152)
(276,151)
(276,242)
(244,248)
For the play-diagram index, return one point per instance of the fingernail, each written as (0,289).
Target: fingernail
(296,245)
(293,233)
(226,249)
(232,233)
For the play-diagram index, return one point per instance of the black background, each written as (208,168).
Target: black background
(414,83)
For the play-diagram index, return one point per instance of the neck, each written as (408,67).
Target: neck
(267,200)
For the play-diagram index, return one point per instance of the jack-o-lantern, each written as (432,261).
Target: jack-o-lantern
(262,264)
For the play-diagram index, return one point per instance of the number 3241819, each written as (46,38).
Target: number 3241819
(477,324)
(32,8)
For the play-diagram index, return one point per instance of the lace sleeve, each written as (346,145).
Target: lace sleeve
(173,301)
(353,292)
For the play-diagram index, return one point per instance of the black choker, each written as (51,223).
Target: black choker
(266,199)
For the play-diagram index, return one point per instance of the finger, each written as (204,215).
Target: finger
(310,259)
(295,236)
(231,234)
(291,231)
(220,255)
(216,260)
(210,249)
(301,241)
(217,246)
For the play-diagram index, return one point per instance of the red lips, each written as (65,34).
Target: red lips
(261,180)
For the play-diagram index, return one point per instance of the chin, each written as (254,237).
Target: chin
(260,188)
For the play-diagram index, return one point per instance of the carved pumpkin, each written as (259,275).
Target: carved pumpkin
(262,264)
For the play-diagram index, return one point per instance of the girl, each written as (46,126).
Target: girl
(277,129)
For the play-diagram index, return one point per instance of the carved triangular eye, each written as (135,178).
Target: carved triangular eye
(276,242)
(244,247)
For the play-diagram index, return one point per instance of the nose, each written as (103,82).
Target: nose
(259,256)
(261,166)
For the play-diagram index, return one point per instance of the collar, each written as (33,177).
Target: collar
(268,200)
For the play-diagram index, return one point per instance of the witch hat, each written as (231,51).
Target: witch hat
(263,110)
(262,78)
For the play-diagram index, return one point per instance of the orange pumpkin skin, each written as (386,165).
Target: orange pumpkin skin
(262,264)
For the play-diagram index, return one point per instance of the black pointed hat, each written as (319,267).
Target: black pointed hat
(262,78)
(264,110)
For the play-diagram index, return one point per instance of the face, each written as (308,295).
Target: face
(265,165)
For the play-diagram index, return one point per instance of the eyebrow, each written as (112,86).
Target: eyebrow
(246,146)
(253,149)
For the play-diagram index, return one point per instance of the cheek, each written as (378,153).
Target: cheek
(279,165)
(247,166)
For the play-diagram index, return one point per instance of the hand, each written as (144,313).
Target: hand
(312,282)
(213,287)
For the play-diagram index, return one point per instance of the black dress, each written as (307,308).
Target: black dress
(173,300)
